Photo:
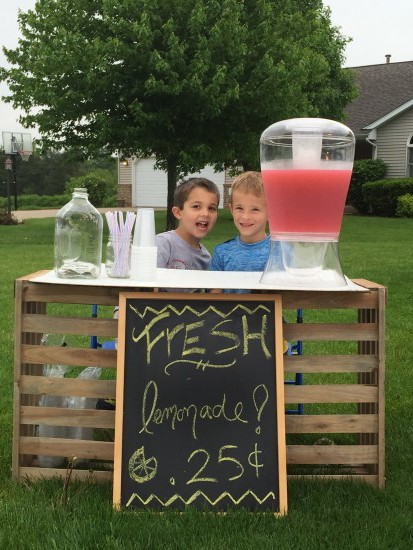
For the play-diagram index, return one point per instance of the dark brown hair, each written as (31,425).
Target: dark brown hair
(182,191)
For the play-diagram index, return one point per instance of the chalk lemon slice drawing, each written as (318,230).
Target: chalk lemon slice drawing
(142,469)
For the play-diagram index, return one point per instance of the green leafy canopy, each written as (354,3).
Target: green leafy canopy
(189,81)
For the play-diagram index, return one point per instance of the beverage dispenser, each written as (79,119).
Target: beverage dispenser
(306,166)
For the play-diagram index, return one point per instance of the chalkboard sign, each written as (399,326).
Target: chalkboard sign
(200,402)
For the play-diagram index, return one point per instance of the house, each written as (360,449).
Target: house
(140,185)
(382,116)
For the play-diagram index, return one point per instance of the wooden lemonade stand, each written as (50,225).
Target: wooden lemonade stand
(340,434)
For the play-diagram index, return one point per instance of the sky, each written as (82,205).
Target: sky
(377,28)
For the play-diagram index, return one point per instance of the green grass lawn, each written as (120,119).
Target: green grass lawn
(336,515)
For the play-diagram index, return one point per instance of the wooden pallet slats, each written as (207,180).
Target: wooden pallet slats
(61,416)
(331,332)
(332,454)
(52,385)
(332,423)
(89,475)
(58,355)
(80,448)
(353,382)
(312,300)
(69,325)
(330,363)
(69,294)
(331,393)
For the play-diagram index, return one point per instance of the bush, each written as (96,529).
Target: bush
(110,201)
(382,196)
(97,184)
(38,202)
(364,171)
(404,208)
(7,219)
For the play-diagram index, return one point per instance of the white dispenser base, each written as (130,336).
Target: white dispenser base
(304,264)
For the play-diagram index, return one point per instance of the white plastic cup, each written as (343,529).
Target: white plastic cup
(144,235)
(143,263)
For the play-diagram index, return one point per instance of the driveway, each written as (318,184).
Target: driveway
(22,215)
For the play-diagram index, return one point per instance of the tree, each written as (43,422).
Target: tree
(189,81)
(293,69)
(138,76)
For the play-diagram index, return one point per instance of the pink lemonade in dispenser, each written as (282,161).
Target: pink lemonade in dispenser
(292,209)
(306,166)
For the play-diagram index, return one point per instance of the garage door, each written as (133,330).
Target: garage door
(150,185)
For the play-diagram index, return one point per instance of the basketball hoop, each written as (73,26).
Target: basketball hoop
(25,155)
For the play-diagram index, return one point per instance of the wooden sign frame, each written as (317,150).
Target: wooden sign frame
(200,400)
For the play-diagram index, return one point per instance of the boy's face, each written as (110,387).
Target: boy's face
(250,216)
(197,217)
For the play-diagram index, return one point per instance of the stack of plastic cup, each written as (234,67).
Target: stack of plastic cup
(144,251)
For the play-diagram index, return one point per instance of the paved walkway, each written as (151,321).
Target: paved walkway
(22,215)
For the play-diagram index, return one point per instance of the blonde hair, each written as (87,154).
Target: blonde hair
(248,182)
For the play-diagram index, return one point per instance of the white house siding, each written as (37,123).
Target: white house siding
(392,143)
(150,186)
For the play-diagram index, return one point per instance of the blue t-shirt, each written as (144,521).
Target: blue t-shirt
(235,255)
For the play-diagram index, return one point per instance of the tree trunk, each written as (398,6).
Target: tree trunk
(172,177)
(247,166)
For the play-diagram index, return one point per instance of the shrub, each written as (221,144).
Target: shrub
(96,188)
(110,201)
(97,184)
(37,202)
(7,218)
(381,196)
(364,171)
(404,208)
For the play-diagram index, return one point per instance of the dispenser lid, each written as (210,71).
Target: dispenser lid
(326,128)
(307,143)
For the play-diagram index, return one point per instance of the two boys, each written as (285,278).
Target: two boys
(195,206)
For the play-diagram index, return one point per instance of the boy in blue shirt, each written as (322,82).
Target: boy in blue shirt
(249,250)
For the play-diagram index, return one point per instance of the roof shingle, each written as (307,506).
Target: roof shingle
(382,89)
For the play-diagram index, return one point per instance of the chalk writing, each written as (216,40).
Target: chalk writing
(203,497)
(173,414)
(184,340)
(142,469)
(199,410)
